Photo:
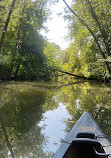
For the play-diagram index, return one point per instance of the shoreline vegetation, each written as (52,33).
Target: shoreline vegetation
(25,55)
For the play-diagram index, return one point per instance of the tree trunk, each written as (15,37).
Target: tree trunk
(14,55)
(68,73)
(6,24)
(16,72)
(104,36)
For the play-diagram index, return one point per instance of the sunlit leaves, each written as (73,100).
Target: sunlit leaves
(96,16)
(23,44)
(52,53)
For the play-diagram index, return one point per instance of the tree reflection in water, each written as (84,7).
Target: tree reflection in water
(91,97)
(21,109)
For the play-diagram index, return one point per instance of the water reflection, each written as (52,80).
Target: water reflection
(34,118)
(21,109)
(91,97)
(54,127)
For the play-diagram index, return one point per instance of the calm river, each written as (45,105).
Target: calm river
(35,118)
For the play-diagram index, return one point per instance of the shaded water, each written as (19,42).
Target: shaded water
(34,118)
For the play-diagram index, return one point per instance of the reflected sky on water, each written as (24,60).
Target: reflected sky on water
(54,126)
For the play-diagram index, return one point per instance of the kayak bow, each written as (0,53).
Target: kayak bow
(85,140)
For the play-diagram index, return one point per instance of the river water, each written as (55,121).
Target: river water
(35,117)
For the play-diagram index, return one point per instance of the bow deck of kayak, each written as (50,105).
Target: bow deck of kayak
(85,124)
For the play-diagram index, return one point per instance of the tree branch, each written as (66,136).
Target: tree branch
(6,24)
(102,32)
(68,73)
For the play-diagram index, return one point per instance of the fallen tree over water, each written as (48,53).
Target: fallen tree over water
(68,73)
(80,76)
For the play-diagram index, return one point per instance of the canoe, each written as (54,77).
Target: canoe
(85,140)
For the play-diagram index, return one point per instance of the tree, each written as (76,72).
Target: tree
(89,13)
(23,45)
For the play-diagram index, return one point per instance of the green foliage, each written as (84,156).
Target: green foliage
(52,55)
(84,52)
(4,62)
(22,55)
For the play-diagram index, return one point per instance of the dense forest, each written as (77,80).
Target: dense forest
(26,55)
